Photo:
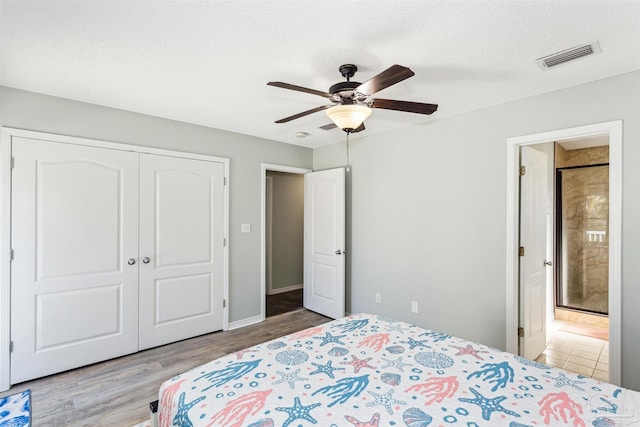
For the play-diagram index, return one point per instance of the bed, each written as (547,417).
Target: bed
(366,370)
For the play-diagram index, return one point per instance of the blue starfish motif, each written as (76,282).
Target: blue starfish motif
(289,377)
(415,343)
(385,400)
(325,369)
(328,338)
(488,405)
(297,411)
(395,364)
(562,380)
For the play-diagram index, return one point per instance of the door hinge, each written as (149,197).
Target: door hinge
(521,251)
(224,303)
(12,163)
(10,346)
(11,255)
(224,243)
(224,181)
(520,331)
(523,170)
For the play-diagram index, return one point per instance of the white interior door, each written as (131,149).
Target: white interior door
(324,242)
(533,238)
(74,297)
(181,248)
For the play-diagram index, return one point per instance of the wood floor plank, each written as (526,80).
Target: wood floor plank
(117,392)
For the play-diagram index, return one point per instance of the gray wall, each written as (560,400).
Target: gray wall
(37,112)
(428,212)
(287,244)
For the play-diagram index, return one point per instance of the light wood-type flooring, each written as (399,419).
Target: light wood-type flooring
(117,392)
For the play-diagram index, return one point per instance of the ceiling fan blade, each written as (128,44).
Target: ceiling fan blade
(390,76)
(300,89)
(304,113)
(408,106)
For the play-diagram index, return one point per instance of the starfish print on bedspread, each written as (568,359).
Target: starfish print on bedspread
(469,350)
(385,400)
(328,338)
(488,405)
(325,369)
(562,380)
(289,377)
(395,364)
(298,411)
(415,343)
(358,363)
(397,327)
(373,422)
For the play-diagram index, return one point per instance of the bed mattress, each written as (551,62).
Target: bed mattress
(369,370)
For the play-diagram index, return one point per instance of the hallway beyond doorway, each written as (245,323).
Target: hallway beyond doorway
(284,302)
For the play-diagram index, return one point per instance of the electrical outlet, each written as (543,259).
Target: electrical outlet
(378,298)
(414,306)
(245,228)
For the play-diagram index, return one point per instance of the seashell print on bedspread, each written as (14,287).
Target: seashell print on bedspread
(367,370)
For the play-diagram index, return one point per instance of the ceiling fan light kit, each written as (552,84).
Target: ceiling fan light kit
(353,101)
(348,117)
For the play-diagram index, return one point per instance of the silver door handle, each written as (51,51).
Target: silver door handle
(131,261)
(146,260)
(549,263)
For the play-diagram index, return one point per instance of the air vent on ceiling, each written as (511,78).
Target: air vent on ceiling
(328,126)
(568,55)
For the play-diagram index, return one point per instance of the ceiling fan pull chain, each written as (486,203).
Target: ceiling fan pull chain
(348,162)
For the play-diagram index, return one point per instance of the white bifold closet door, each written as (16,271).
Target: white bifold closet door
(74,297)
(115,251)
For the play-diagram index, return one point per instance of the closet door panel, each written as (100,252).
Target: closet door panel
(181,248)
(74,226)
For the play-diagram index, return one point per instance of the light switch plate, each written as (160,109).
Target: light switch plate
(246,228)
(414,306)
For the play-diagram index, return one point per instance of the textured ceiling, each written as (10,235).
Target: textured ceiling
(208,62)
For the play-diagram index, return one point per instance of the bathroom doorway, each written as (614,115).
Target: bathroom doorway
(575,350)
(578,337)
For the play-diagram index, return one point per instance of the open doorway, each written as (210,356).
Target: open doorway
(577,336)
(282,239)
(284,242)
(575,139)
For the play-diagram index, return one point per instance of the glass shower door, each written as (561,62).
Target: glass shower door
(583,243)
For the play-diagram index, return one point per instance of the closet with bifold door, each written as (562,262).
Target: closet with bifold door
(115,250)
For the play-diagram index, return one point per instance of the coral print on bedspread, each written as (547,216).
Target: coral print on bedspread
(366,370)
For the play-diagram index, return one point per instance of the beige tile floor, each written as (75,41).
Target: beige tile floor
(577,353)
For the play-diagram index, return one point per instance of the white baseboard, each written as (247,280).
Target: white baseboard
(245,322)
(285,289)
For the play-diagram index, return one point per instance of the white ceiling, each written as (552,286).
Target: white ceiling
(208,62)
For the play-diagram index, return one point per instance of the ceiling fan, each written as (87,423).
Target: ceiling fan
(352,101)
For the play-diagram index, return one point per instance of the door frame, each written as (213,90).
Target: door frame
(6,135)
(263,221)
(614,130)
